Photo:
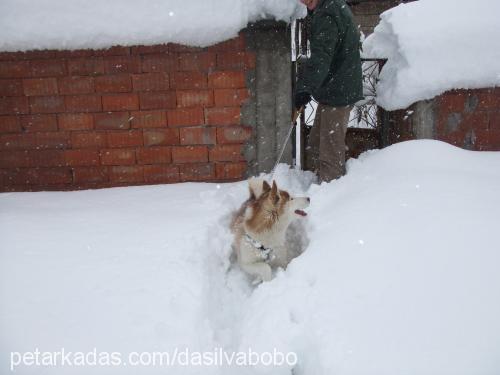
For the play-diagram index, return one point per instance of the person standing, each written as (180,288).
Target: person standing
(333,76)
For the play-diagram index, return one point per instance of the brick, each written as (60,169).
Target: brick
(149,119)
(12,56)
(39,54)
(75,85)
(202,61)
(186,117)
(233,134)
(10,124)
(12,105)
(197,172)
(230,97)
(15,69)
(154,155)
(222,116)
(150,82)
(158,100)
(90,174)
(113,51)
(81,157)
(11,87)
(190,154)
(112,120)
(159,63)
(234,44)
(122,174)
(226,153)
(227,80)
(41,140)
(175,47)
(189,80)
(83,103)
(488,100)
(161,137)
(39,176)
(488,140)
(124,138)
(14,159)
(236,60)
(161,173)
(113,83)
(39,123)
(452,102)
(88,139)
(122,64)
(86,67)
(476,120)
(77,53)
(31,158)
(75,121)
(40,86)
(197,136)
(145,50)
(48,68)
(195,98)
(118,157)
(46,104)
(17,141)
(120,102)
(494,120)
(52,140)
(230,171)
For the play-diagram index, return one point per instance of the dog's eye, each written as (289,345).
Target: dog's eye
(277,199)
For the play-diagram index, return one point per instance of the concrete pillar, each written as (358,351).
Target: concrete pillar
(269,110)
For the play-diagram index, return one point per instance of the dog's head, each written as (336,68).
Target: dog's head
(276,202)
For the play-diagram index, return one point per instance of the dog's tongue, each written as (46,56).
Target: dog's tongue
(300,212)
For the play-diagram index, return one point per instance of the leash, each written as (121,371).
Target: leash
(295,116)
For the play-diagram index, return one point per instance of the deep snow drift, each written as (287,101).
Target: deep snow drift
(75,24)
(400,275)
(434,46)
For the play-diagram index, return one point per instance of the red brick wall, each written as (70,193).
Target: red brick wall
(122,116)
(470,118)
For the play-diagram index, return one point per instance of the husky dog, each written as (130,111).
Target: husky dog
(259,228)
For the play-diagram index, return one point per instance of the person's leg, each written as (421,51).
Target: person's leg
(311,157)
(333,130)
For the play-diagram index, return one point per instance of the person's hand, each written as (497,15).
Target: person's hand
(301,99)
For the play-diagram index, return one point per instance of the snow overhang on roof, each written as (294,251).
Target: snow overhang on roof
(79,24)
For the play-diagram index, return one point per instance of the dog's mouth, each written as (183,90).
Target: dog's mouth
(300,213)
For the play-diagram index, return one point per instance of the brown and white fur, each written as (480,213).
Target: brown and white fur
(264,218)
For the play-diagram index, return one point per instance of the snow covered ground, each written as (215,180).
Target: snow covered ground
(75,24)
(400,276)
(434,46)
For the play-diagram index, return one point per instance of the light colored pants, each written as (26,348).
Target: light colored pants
(325,150)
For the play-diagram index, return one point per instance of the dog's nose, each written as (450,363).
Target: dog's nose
(308,199)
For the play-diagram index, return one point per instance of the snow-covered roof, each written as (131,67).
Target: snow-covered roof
(434,46)
(77,24)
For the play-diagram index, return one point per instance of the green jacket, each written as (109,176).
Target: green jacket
(333,72)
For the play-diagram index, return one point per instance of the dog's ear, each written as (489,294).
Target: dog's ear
(265,187)
(252,193)
(274,189)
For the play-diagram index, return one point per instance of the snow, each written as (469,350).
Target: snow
(400,275)
(80,24)
(435,46)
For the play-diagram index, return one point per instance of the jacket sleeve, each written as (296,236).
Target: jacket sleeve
(324,39)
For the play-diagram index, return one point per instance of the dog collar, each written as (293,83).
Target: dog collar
(265,252)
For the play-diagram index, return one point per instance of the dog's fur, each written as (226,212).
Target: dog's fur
(265,217)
